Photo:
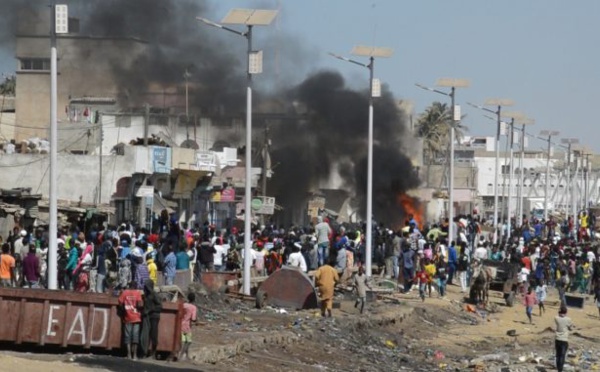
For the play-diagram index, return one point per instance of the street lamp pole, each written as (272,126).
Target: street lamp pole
(499,103)
(569,142)
(452,84)
(249,18)
(374,91)
(549,134)
(515,118)
(59,25)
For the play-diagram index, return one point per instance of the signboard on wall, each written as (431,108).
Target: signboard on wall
(268,205)
(161,159)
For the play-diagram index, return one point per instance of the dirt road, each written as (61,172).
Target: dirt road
(399,332)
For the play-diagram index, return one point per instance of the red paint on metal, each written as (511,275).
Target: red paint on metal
(291,288)
(75,319)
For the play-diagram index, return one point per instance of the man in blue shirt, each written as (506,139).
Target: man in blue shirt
(170,266)
(183,259)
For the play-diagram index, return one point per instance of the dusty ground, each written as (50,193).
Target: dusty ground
(398,333)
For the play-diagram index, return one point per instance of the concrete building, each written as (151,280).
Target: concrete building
(83,71)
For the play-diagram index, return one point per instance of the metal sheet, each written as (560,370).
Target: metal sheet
(75,319)
(291,288)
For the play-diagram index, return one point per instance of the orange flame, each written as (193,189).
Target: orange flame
(411,206)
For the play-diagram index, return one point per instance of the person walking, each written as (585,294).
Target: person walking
(361,283)
(561,341)
(323,231)
(326,277)
(541,291)
(529,300)
(462,268)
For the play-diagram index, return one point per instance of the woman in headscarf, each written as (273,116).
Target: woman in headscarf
(151,317)
(83,269)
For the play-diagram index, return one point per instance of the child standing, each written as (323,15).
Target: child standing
(189,316)
(529,301)
(442,276)
(422,281)
(430,270)
(540,294)
(361,283)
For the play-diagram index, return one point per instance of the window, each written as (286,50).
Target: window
(35,64)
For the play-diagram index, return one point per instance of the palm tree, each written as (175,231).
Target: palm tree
(7,87)
(434,127)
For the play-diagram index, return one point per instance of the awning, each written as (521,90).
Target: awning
(159,204)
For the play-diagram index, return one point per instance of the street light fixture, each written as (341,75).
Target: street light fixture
(549,134)
(374,91)
(499,103)
(248,18)
(452,83)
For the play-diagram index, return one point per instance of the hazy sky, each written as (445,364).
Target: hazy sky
(543,54)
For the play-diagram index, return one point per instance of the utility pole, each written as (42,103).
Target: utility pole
(265,168)
(146,122)
(549,134)
(101,130)
(452,83)
(59,25)
(499,103)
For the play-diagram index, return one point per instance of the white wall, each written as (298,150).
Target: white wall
(77,174)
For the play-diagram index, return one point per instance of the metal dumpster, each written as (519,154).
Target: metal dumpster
(86,320)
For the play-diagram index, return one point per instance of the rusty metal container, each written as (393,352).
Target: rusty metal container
(183,279)
(287,287)
(216,281)
(86,320)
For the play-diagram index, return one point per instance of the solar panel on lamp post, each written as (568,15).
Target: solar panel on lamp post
(248,18)
(451,83)
(499,103)
(549,134)
(569,142)
(374,91)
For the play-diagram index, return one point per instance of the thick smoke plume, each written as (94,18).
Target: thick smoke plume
(334,133)
(328,129)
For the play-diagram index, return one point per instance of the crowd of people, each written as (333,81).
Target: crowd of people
(111,259)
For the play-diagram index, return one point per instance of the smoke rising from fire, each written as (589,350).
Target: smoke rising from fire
(328,128)
(335,131)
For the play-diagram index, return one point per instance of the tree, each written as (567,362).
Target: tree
(434,127)
(8,86)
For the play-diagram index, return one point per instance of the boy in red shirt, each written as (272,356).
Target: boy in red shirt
(131,304)
(189,316)
(422,280)
(529,301)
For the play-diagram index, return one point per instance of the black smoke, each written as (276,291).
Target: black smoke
(334,133)
(328,129)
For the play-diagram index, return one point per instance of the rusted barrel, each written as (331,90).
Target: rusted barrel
(86,320)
